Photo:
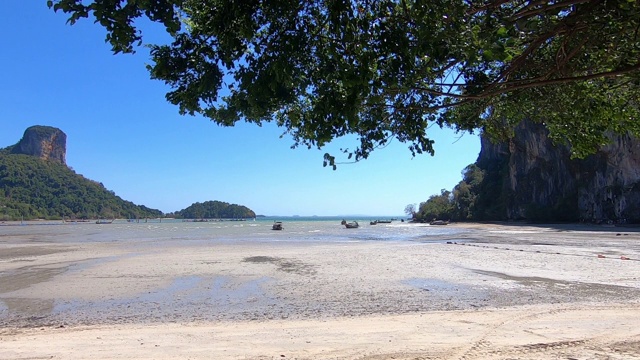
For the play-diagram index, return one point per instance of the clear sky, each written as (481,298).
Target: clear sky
(122,132)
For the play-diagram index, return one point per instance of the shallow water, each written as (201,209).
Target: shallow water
(295,230)
(199,297)
(375,269)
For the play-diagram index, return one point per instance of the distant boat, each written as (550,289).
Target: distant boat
(375,222)
(277,225)
(104,221)
(439,222)
(351,225)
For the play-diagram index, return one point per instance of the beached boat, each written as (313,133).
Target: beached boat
(351,225)
(439,222)
(277,225)
(104,221)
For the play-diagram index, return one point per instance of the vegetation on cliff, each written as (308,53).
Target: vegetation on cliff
(530,178)
(215,210)
(479,196)
(32,188)
(476,197)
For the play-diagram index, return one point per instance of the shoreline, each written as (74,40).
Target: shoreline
(492,291)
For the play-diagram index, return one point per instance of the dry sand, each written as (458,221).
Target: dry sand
(495,292)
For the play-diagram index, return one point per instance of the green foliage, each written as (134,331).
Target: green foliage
(465,194)
(437,207)
(387,69)
(490,195)
(216,210)
(479,196)
(33,188)
(118,19)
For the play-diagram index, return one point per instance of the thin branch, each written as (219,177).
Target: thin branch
(455,81)
(446,67)
(533,4)
(543,9)
(624,83)
(573,53)
(447,94)
(606,74)
(533,46)
(488,6)
(516,85)
(515,64)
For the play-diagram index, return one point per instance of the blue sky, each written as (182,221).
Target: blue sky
(122,132)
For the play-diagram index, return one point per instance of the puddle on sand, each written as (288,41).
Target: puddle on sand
(27,307)
(192,297)
(224,289)
(577,287)
(435,285)
(287,265)
(201,289)
(21,253)
(524,280)
(26,276)
(446,295)
(86,264)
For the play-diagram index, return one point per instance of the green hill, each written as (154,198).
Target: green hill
(32,188)
(215,210)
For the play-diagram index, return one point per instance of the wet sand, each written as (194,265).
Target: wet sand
(493,292)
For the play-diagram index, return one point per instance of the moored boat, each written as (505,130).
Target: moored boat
(351,225)
(277,225)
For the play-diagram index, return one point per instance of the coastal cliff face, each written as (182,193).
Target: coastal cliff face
(45,142)
(540,180)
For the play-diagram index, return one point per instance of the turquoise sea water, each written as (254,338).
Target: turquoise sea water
(296,229)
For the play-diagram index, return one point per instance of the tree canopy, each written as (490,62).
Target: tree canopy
(390,69)
(32,188)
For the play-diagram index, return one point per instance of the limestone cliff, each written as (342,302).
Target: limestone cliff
(46,142)
(540,181)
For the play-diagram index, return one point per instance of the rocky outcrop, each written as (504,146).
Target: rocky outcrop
(46,142)
(541,182)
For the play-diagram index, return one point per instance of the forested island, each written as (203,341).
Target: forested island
(214,210)
(36,183)
(35,188)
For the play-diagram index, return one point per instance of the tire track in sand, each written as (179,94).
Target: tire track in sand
(597,343)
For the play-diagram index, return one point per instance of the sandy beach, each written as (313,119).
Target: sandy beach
(493,291)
